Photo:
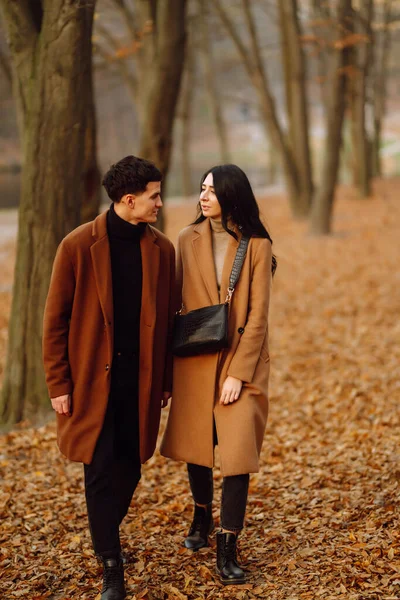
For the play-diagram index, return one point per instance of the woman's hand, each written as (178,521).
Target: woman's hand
(230,390)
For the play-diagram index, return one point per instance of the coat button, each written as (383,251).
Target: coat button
(107,367)
(241,330)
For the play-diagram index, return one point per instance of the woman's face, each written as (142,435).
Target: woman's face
(208,200)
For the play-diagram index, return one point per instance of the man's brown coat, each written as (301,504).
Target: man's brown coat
(78,335)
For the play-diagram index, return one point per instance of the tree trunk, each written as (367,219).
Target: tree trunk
(321,12)
(379,91)
(321,212)
(272,129)
(45,41)
(186,118)
(295,78)
(362,59)
(209,77)
(91,193)
(287,66)
(272,165)
(162,61)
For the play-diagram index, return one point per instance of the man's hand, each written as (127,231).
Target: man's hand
(62,404)
(230,390)
(165,398)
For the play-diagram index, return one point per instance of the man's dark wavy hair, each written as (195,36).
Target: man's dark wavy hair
(238,203)
(130,175)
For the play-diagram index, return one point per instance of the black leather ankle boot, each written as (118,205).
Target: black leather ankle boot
(227,566)
(113,579)
(201,527)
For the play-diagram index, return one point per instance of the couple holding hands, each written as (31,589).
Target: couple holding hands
(107,347)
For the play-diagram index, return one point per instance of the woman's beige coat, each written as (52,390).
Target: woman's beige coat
(198,380)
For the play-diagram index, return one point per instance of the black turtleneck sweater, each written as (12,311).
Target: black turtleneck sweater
(126,267)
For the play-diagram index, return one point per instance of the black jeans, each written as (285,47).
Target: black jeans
(112,476)
(235,490)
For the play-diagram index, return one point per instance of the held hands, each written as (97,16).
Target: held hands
(62,404)
(165,398)
(230,390)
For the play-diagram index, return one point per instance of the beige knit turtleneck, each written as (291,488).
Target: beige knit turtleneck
(220,241)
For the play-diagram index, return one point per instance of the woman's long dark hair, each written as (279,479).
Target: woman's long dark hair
(238,203)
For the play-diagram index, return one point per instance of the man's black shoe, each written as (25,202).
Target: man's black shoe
(113,579)
(228,568)
(122,557)
(201,527)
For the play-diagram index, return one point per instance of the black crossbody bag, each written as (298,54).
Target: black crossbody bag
(205,330)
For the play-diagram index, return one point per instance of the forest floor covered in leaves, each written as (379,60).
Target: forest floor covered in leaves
(323,513)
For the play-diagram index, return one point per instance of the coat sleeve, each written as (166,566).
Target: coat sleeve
(171,316)
(57,314)
(247,355)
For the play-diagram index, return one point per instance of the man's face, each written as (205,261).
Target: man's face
(145,206)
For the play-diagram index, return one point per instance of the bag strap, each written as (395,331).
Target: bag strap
(237,267)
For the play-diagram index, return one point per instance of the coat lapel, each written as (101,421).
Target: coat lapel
(101,260)
(150,269)
(202,247)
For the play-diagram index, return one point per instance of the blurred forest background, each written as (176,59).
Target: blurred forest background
(304,96)
(240,59)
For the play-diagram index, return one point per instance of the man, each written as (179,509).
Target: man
(107,326)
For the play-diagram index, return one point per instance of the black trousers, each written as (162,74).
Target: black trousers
(112,476)
(235,490)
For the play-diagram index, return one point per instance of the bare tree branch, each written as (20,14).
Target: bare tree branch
(209,77)
(127,15)
(254,65)
(321,210)
(120,63)
(270,10)
(186,113)
(230,27)
(106,34)
(160,61)
(255,47)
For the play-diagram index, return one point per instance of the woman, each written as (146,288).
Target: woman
(221,398)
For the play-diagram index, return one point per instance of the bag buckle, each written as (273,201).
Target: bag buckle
(229,295)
